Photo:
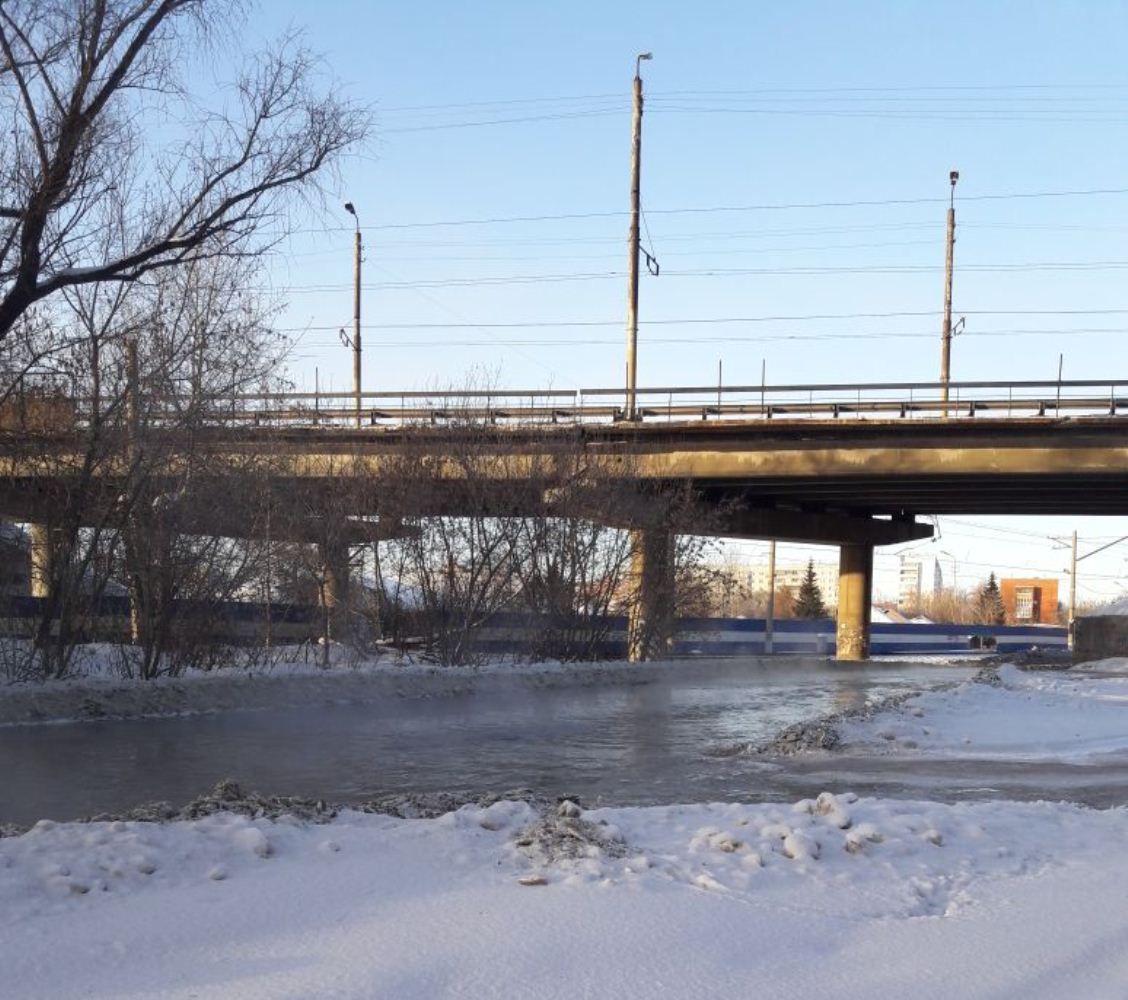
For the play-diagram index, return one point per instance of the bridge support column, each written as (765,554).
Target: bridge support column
(44,544)
(650,620)
(855,594)
(335,588)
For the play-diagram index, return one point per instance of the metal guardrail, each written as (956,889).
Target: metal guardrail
(843,401)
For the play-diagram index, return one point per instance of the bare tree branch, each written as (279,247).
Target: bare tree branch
(90,87)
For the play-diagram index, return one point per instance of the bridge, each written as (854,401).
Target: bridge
(854,465)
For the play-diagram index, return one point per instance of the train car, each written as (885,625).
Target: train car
(505,634)
(509,633)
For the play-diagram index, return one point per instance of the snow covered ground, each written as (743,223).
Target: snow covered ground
(835,897)
(830,896)
(1070,716)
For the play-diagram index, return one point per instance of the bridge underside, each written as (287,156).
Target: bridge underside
(1079,493)
(855,484)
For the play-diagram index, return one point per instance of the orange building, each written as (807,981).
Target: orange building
(1030,601)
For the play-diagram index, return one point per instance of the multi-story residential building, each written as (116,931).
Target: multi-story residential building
(908,583)
(791,575)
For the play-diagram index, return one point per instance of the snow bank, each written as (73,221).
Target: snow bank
(1111,665)
(1026,716)
(836,896)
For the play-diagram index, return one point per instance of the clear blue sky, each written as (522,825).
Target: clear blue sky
(748,104)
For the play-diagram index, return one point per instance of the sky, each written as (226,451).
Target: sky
(795,164)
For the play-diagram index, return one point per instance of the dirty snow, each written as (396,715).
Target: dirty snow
(1033,715)
(834,896)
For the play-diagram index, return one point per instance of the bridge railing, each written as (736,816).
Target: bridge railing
(982,400)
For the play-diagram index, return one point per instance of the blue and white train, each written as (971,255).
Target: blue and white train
(507,633)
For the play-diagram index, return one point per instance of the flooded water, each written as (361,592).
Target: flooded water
(608,744)
(614,744)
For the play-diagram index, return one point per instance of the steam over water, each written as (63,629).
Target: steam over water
(611,744)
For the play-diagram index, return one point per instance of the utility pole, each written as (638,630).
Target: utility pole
(1073,574)
(946,334)
(1072,593)
(631,409)
(769,622)
(350,208)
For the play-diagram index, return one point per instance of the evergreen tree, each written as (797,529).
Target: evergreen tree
(809,602)
(989,608)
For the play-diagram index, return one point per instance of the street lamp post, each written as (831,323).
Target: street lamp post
(351,209)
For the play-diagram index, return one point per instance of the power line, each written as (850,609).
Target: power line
(709,209)
(1039,90)
(711,320)
(740,234)
(1081,109)
(442,126)
(532,258)
(1019,267)
(746,339)
(504,102)
(926,88)
(909,112)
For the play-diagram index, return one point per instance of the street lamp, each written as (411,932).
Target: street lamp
(351,209)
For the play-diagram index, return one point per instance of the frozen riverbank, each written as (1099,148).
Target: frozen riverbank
(851,898)
(1077,716)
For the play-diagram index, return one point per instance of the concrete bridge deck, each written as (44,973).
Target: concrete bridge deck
(849,465)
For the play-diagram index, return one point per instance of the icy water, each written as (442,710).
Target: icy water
(608,744)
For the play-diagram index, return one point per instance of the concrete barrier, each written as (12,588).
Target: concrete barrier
(1097,637)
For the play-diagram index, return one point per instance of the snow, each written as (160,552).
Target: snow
(1117,607)
(834,895)
(1111,665)
(701,901)
(1031,715)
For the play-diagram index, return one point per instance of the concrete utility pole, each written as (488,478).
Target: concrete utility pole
(349,207)
(946,334)
(769,622)
(633,241)
(1074,560)
(1072,593)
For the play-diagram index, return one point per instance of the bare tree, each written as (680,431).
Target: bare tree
(113,165)
(139,505)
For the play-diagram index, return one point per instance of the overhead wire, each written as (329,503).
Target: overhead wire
(1018,267)
(712,209)
(763,339)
